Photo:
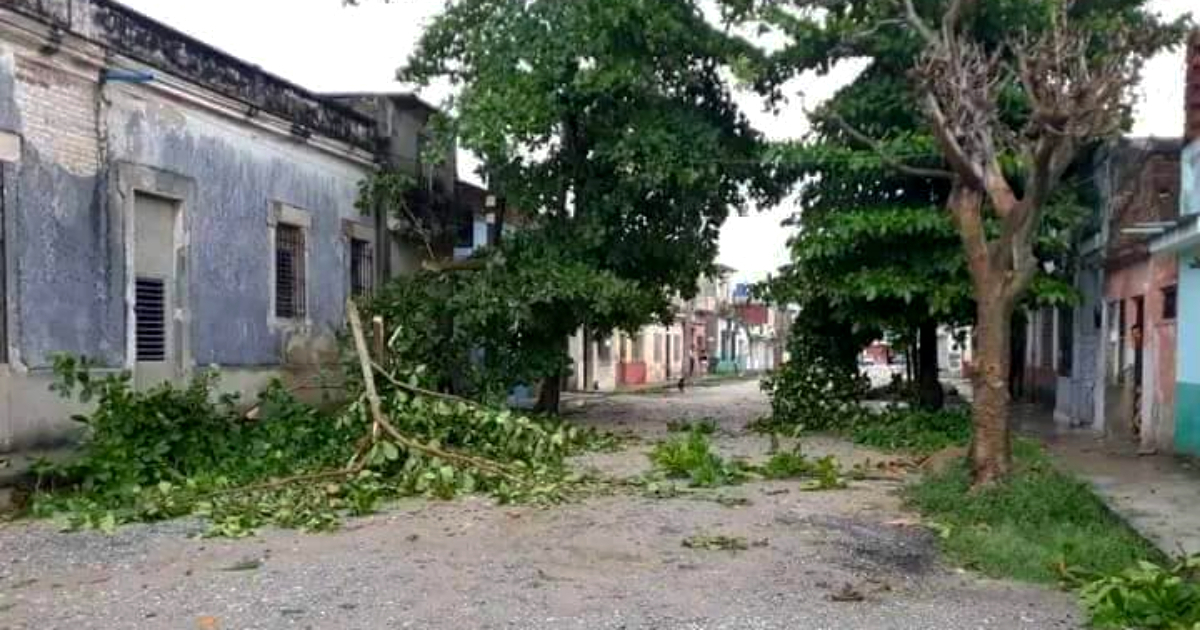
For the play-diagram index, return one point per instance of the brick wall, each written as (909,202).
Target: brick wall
(58,111)
(1192,132)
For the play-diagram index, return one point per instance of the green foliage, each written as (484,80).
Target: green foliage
(1028,526)
(916,431)
(480,332)
(787,465)
(875,250)
(691,457)
(610,120)
(170,452)
(822,474)
(1147,595)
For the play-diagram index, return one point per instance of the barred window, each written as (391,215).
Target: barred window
(361,264)
(290,298)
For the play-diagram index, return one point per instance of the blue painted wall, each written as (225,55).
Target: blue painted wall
(1190,185)
(58,254)
(238,177)
(1187,401)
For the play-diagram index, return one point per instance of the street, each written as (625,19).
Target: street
(613,561)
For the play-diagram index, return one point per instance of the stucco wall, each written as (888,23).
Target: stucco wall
(1189,202)
(67,214)
(59,254)
(238,176)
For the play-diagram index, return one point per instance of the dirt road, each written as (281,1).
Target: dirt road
(612,562)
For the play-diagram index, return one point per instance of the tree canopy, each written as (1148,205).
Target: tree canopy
(1009,94)
(611,125)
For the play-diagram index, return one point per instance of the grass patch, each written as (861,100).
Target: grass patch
(1031,526)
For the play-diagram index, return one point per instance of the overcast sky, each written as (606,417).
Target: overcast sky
(325,46)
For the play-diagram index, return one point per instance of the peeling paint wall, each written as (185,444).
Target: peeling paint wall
(238,176)
(87,146)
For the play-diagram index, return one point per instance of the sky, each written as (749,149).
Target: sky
(328,47)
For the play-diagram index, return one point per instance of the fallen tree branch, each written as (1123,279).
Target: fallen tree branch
(422,391)
(381,424)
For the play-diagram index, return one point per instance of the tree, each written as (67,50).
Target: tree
(1010,93)
(611,122)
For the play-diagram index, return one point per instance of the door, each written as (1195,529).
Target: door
(1138,336)
(156,336)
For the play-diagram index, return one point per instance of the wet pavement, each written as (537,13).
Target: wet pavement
(1158,495)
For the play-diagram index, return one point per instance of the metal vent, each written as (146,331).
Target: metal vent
(150,310)
(289,272)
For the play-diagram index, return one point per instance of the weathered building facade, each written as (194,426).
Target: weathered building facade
(1106,361)
(167,207)
(1180,247)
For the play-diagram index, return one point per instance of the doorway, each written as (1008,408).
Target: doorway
(155,291)
(1138,337)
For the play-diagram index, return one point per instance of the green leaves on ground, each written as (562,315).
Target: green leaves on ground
(1148,595)
(894,429)
(169,452)
(915,431)
(1028,526)
(692,457)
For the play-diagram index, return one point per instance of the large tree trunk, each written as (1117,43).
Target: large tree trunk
(929,388)
(550,396)
(991,448)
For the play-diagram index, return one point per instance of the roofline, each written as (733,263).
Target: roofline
(36,10)
(1185,235)
(398,94)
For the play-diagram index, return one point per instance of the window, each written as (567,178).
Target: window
(1170,302)
(639,354)
(658,348)
(290,297)
(362,262)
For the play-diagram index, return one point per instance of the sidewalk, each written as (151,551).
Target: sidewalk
(1159,495)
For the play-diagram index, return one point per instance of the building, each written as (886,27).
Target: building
(1125,359)
(720,331)
(1180,245)
(165,207)
(1105,362)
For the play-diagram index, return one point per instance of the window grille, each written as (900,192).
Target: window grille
(290,299)
(361,264)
